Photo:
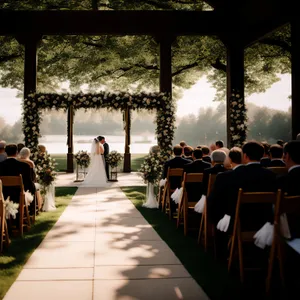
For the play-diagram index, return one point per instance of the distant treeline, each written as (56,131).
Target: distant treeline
(209,125)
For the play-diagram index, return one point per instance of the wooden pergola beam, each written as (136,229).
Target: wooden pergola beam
(112,22)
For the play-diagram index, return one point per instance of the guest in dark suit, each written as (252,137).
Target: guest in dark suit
(216,204)
(12,167)
(289,183)
(187,153)
(265,160)
(195,190)
(205,152)
(276,153)
(253,177)
(218,157)
(215,201)
(101,139)
(176,162)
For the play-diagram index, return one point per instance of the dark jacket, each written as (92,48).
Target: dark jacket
(13,167)
(251,178)
(276,163)
(195,190)
(207,159)
(174,163)
(265,162)
(218,168)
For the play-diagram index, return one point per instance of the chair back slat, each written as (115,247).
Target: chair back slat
(177,172)
(193,177)
(257,197)
(278,170)
(12,181)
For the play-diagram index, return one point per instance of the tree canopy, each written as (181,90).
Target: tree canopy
(132,62)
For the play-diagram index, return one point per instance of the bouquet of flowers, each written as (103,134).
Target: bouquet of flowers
(82,159)
(114,158)
(45,168)
(152,167)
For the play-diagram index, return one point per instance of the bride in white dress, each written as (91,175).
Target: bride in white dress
(96,175)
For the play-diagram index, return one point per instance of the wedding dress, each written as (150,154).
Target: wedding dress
(96,176)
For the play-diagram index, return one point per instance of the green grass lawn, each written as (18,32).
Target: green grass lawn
(20,249)
(210,275)
(61,159)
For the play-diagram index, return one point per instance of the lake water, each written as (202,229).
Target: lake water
(56,144)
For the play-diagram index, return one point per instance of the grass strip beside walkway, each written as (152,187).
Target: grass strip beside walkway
(14,258)
(210,275)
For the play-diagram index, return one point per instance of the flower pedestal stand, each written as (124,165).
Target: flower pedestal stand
(151,201)
(81,171)
(114,174)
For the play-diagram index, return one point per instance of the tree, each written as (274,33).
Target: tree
(131,62)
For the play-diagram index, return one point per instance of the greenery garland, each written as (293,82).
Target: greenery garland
(238,120)
(161,102)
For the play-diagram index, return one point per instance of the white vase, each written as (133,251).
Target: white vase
(151,201)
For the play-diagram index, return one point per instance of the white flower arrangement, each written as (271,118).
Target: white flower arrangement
(238,114)
(161,102)
(114,158)
(82,158)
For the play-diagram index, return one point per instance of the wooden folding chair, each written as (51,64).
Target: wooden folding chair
(239,236)
(166,202)
(24,217)
(279,170)
(4,236)
(185,205)
(290,205)
(204,226)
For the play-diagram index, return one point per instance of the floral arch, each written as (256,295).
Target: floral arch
(34,104)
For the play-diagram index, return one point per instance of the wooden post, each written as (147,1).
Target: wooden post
(165,58)
(235,77)
(295,32)
(127,155)
(70,156)
(30,43)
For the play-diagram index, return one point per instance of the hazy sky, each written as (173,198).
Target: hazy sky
(200,95)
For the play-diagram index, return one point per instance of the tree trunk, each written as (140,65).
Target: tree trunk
(95,4)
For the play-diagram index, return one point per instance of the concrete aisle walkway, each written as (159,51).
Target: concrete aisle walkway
(102,248)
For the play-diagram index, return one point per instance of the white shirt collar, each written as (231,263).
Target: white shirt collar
(253,163)
(276,159)
(237,166)
(293,167)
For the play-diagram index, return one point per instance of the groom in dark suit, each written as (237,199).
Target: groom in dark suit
(101,139)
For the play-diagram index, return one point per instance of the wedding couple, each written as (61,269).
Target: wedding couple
(98,174)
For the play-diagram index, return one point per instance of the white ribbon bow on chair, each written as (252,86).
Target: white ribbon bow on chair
(176,196)
(223,224)
(199,207)
(162,182)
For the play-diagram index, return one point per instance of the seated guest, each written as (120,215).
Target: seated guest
(12,167)
(3,154)
(205,152)
(280,143)
(187,153)
(195,190)
(197,165)
(289,183)
(215,202)
(276,152)
(253,177)
(176,162)
(218,157)
(20,147)
(219,144)
(265,161)
(24,156)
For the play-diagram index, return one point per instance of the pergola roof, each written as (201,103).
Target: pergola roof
(247,20)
